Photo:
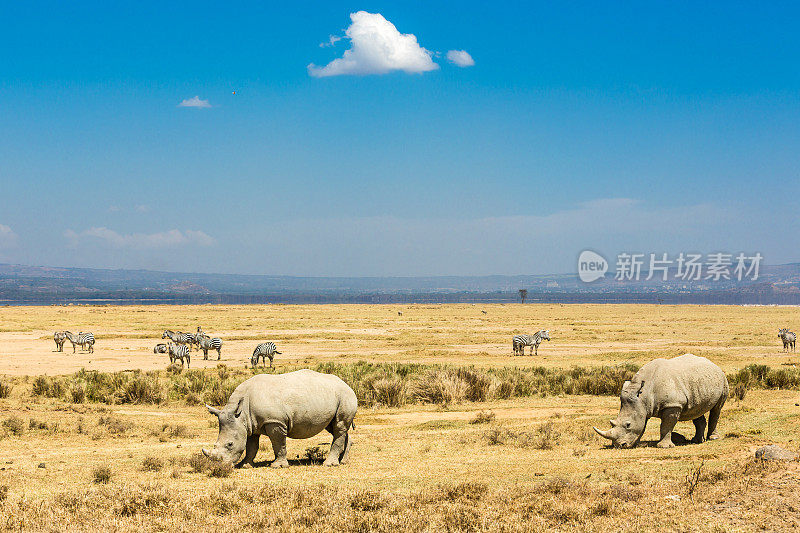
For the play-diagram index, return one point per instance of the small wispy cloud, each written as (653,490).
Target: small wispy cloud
(164,239)
(376,48)
(332,40)
(7,237)
(460,58)
(141,208)
(195,101)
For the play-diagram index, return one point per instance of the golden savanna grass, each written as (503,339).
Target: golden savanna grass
(516,463)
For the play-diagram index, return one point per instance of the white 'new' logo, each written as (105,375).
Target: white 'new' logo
(591,266)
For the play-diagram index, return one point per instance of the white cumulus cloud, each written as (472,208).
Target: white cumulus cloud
(162,239)
(460,58)
(7,237)
(377,48)
(195,101)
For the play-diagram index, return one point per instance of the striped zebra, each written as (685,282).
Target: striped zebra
(178,351)
(207,344)
(788,339)
(161,348)
(519,342)
(264,350)
(84,339)
(179,337)
(195,343)
(60,338)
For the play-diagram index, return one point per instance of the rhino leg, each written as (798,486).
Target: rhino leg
(277,436)
(346,455)
(669,417)
(699,429)
(713,418)
(338,428)
(251,450)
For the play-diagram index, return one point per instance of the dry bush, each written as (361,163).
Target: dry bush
(315,455)
(5,389)
(3,492)
(625,493)
(200,463)
(101,474)
(114,425)
(220,469)
(556,485)
(366,500)
(692,479)
(144,500)
(468,490)
(546,437)
(739,391)
(49,387)
(174,368)
(78,393)
(389,392)
(483,417)
(178,431)
(152,464)
(14,425)
(494,436)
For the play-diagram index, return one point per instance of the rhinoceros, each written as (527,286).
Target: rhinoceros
(297,404)
(681,388)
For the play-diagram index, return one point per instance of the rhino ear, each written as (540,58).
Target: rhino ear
(641,388)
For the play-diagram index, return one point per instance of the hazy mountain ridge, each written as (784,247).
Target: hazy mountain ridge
(20,283)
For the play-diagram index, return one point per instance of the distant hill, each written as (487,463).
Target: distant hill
(777,284)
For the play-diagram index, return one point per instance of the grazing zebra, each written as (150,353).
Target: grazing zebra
(161,348)
(264,350)
(83,339)
(178,351)
(60,339)
(206,344)
(788,339)
(178,338)
(519,342)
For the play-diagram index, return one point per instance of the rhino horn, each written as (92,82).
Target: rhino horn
(213,410)
(206,453)
(604,434)
(613,423)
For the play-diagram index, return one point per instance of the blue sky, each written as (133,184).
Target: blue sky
(660,128)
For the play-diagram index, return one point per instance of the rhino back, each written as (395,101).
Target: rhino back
(304,400)
(692,383)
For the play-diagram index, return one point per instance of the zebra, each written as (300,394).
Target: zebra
(206,344)
(178,338)
(83,339)
(788,339)
(161,348)
(196,337)
(264,350)
(519,342)
(178,351)
(60,338)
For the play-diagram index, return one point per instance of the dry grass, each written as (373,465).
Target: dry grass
(453,433)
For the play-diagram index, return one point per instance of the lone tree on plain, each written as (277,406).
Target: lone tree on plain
(523,293)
